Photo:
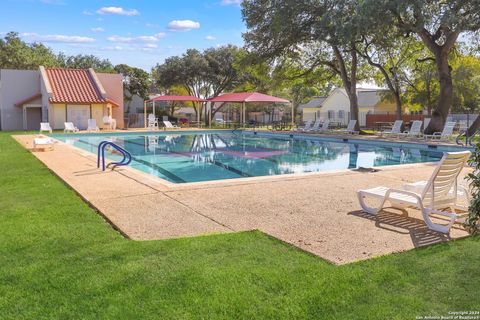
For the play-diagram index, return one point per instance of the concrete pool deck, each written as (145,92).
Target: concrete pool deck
(317,212)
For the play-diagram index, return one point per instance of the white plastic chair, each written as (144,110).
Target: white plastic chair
(415,129)
(45,126)
(306,126)
(426,122)
(152,121)
(324,127)
(396,129)
(351,127)
(446,133)
(92,125)
(70,127)
(437,195)
(110,122)
(169,125)
(44,143)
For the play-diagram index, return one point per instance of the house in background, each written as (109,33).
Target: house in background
(336,106)
(56,95)
(311,110)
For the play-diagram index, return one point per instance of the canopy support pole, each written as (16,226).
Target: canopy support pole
(293,114)
(210,116)
(145,114)
(198,115)
(244,113)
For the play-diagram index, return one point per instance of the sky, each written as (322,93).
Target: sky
(139,33)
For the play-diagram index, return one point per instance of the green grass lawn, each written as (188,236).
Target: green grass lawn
(59,259)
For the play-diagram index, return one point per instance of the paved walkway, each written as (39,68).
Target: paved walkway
(316,212)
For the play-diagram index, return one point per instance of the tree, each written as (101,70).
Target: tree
(385,49)
(204,74)
(319,32)
(135,82)
(82,61)
(17,54)
(422,86)
(438,24)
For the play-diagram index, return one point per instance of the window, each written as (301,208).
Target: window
(341,114)
(331,114)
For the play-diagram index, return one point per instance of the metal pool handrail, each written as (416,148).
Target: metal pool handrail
(127,157)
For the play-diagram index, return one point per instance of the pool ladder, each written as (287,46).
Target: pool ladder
(127,157)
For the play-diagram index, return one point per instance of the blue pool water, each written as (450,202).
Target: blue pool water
(182,157)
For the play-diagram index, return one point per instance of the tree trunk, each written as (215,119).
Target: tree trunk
(398,104)
(349,82)
(445,101)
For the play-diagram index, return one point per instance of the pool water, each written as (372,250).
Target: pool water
(182,157)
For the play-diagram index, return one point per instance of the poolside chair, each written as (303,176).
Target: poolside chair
(445,134)
(426,122)
(437,195)
(45,126)
(324,126)
(306,126)
(169,125)
(396,129)
(415,130)
(43,143)
(70,127)
(110,122)
(152,121)
(92,125)
(314,127)
(351,127)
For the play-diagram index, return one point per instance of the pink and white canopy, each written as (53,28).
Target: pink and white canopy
(177,98)
(248,97)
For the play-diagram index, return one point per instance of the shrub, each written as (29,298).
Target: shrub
(472,221)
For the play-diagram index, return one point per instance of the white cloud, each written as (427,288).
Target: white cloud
(210,38)
(230,2)
(183,25)
(154,38)
(99,29)
(88,13)
(151,45)
(56,38)
(54,2)
(118,10)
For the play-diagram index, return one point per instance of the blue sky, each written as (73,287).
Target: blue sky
(138,33)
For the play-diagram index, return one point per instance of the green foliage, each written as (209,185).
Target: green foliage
(472,221)
(466,82)
(85,61)
(135,82)
(16,54)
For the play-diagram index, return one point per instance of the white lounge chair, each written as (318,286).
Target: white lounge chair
(43,143)
(315,126)
(351,127)
(92,125)
(70,127)
(324,127)
(396,129)
(152,121)
(110,122)
(426,122)
(45,126)
(438,194)
(306,126)
(446,133)
(415,130)
(169,125)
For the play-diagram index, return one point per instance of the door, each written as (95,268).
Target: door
(33,118)
(79,115)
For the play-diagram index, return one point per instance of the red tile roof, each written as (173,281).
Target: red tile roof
(73,86)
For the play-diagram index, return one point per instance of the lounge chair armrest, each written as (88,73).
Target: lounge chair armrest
(405,192)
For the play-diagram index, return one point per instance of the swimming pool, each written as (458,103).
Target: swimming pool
(194,156)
